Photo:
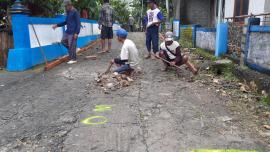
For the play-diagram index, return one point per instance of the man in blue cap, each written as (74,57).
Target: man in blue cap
(129,56)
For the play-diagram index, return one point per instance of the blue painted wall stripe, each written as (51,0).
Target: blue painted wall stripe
(256,28)
(206,29)
(23,57)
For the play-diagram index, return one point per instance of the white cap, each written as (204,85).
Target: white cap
(169,36)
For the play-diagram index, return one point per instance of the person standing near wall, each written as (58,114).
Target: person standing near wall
(106,19)
(131,22)
(153,19)
(70,36)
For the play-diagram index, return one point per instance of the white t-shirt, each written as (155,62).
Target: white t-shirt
(172,48)
(130,52)
(152,16)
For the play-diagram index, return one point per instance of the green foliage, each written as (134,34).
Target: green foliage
(121,11)
(206,54)
(48,8)
(265,100)
(92,6)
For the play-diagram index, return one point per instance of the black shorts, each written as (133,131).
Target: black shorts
(106,32)
(119,61)
(171,60)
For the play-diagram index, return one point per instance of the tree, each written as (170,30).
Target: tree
(91,6)
(121,11)
(46,8)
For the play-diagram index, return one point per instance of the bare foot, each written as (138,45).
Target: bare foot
(147,56)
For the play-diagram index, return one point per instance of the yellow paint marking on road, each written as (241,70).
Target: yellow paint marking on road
(101,108)
(221,150)
(100,120)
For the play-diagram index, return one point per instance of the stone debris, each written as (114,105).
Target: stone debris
(267,114)
(267,127)
(225,118)
(90,57)
(244,88)
(113,81)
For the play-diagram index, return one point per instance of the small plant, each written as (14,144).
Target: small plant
(205,54)
(265,100)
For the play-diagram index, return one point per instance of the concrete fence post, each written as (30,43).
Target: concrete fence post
(221,39)
(20,21)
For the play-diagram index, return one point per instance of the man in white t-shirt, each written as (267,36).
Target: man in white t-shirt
(129,56)
(170,50)
(153,20)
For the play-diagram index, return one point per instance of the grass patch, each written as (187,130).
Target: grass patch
(186,43)
(265,100)
(205,54)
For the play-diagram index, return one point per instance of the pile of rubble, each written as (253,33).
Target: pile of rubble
(113,81)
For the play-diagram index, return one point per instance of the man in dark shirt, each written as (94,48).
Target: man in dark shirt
(106,19)
(70,36)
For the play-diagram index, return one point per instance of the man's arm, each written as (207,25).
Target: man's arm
(178,54)
(100,17)
(62,24)
(113,16)
(59,25)
(160,17)
(78,23)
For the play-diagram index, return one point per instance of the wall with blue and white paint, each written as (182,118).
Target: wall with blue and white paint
(26,52)
(206,38)
(258,48)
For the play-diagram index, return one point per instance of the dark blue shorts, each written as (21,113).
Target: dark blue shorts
(152,39)
(106,32)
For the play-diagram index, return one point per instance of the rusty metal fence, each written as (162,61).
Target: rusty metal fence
(6,42)
(188,35)
(236,37)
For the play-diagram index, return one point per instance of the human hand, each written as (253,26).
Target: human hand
(54,27)
(173,63)
(75,37)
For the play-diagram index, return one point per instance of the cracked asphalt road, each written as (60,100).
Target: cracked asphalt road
(158,113)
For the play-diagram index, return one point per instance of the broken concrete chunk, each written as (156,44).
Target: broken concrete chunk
(129,79)
(225,118)
(267,127)
(216,81)
(109,85)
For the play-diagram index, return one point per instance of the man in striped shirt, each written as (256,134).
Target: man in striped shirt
(106,19)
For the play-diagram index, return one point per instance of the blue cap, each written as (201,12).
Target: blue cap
(122,33)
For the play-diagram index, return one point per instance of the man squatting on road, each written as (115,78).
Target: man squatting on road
(129,56)
(170,50)
(153,19)
(70,36)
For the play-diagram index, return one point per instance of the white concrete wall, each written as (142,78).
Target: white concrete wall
(45,34)
(229,8)
(259,49)
(206,40)
(256,6)
(48,36)
(96,30)
(86,29)
(267,6)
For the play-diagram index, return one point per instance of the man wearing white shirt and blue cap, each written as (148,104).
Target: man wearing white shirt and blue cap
(129,56)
